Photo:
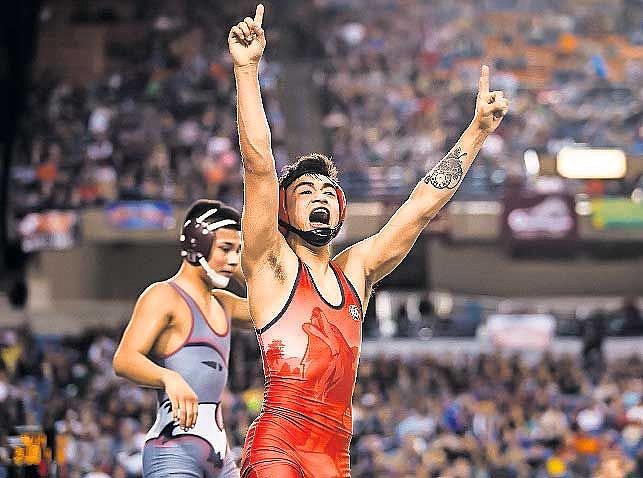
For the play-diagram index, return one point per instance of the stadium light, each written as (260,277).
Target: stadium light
(532,162)
(576,162)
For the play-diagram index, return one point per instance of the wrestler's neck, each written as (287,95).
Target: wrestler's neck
(317,258)
(193,280)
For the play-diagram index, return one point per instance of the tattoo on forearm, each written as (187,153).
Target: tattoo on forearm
(448,172)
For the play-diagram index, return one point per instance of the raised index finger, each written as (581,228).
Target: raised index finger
(259,15)
(483,84)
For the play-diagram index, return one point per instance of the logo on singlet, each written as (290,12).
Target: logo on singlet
(214,365)
(354,311)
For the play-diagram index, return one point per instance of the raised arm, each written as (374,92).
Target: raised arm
(379,254)
(259,222)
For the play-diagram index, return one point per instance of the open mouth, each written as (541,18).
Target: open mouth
(320,216)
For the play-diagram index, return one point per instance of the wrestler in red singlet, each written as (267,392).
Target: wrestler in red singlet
(310,353)
(303,304)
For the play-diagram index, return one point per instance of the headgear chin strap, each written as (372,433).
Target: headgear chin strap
(319,236)
(219,281)
(198,234)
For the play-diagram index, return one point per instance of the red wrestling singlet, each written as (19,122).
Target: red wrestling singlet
(310,353)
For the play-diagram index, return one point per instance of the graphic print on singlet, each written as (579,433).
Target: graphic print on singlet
(202,361)
(310,354)
(327,364)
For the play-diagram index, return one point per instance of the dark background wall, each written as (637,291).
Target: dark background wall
(18,28)
(119,271)
(489,269)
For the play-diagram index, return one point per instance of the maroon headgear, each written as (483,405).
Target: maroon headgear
(202,220)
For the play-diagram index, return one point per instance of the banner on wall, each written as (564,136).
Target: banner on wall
(49,230)
(520,331)
(140,215)
(616,213)
(539,217)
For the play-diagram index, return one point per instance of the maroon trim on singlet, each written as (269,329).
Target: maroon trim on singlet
(210,346)
(186,340)
(205,317)
(293,289)
(225,314)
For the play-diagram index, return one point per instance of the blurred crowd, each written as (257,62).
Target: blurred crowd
(94,422)
(396,80)
(159,124)
(458,416)
(400,79)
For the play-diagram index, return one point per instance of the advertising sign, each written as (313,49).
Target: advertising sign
(617,213)
(520,332)
(55,230)
(539,217)
(140,215)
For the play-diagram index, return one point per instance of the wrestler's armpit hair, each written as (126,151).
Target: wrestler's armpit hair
(313,163)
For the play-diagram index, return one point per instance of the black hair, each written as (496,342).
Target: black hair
(313,163)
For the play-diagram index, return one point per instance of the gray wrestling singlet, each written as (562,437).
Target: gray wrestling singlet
(201,452)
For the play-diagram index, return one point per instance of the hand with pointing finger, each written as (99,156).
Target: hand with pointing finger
(247,40)
(491,107)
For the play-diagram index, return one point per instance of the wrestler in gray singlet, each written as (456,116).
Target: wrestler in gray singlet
(202,451)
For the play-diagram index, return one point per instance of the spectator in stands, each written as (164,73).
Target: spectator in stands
(484,415)
(379,82)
